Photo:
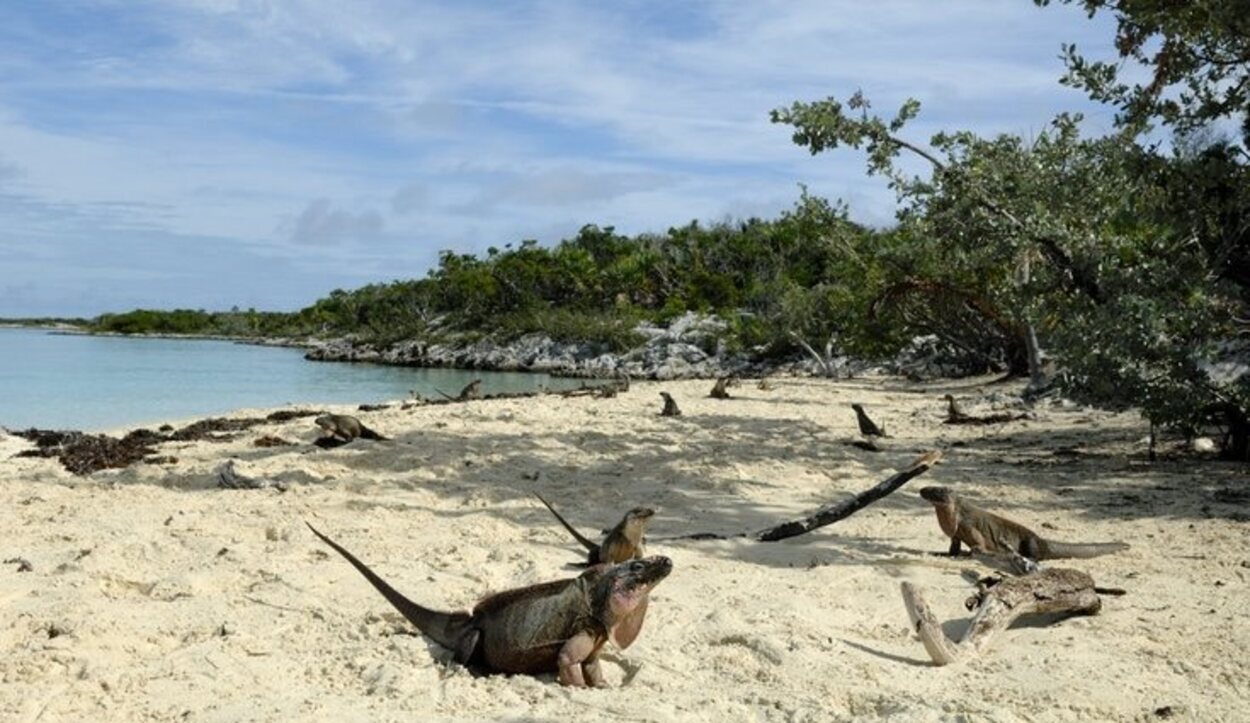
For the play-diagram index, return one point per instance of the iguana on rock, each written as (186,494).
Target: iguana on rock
(553,627)
(867,427)
(986,532)
(345,427)
(670,406)
(623,542)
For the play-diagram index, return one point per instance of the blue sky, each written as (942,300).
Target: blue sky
(208,153)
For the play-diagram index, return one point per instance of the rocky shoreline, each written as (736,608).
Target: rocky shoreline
(690,347)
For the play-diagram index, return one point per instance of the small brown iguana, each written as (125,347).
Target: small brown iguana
(721,389)
(623,542)
(956,415)
(556,626)
(867,427)
(670,406)
(472,390)
(986,532)
(954,412)
(345,427)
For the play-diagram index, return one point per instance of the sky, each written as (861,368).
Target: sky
(260,153)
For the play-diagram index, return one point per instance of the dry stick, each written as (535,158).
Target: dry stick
(830,513)
(1054,590)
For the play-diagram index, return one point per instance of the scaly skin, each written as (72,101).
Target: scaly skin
(557,626)
(623,542)
(345,427)
(987,532)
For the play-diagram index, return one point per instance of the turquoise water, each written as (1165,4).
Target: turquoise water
(64,381)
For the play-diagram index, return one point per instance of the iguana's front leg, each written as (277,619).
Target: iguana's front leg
(954,551)
(577,650)
(593,673)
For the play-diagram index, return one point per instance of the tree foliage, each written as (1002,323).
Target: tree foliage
(1131,261)
(1195,55)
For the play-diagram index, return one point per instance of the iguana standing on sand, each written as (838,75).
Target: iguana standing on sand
(623,542)
(472,390)
(553,627)
(867,427)
(954,412)
(345,427)
(987,532)
(956,415)
(721,389)
(670,406)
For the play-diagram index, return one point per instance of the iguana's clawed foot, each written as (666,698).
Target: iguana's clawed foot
(594,674)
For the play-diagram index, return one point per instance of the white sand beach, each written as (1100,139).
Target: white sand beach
(154,595)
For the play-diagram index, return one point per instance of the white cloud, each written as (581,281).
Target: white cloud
(216,118)
(322,224)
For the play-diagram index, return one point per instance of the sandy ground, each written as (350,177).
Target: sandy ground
(156,596)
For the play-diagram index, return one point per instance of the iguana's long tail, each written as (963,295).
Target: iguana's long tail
(1083,550)
(366,433)
(447,629)
(587,543)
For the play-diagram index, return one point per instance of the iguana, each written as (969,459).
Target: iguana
(623,542)
(867,427)
(721,389)
(986,532)
(472,390)
(670,406)
(956,415)
(345,427)
(556,626)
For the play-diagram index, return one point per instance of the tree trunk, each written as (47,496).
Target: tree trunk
(997,605)
(831,513)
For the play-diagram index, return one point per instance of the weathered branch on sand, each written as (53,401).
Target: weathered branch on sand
(997,604)
(831,513)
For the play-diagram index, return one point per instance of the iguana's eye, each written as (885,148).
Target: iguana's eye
(636,566)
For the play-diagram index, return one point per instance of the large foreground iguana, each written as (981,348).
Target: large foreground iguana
(987,532)
(556,626)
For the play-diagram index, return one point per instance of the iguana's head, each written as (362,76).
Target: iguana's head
(948,397)
(938,495)
(626,584)
(858,407)
(326,421)
(618,594)
(639,516)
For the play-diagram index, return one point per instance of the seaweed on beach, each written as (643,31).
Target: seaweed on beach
(83,454)
(286,415)
(214,429)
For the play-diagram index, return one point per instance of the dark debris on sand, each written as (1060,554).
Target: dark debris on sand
(83,453)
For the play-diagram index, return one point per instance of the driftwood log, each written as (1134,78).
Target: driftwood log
(830,513)
(998,603)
